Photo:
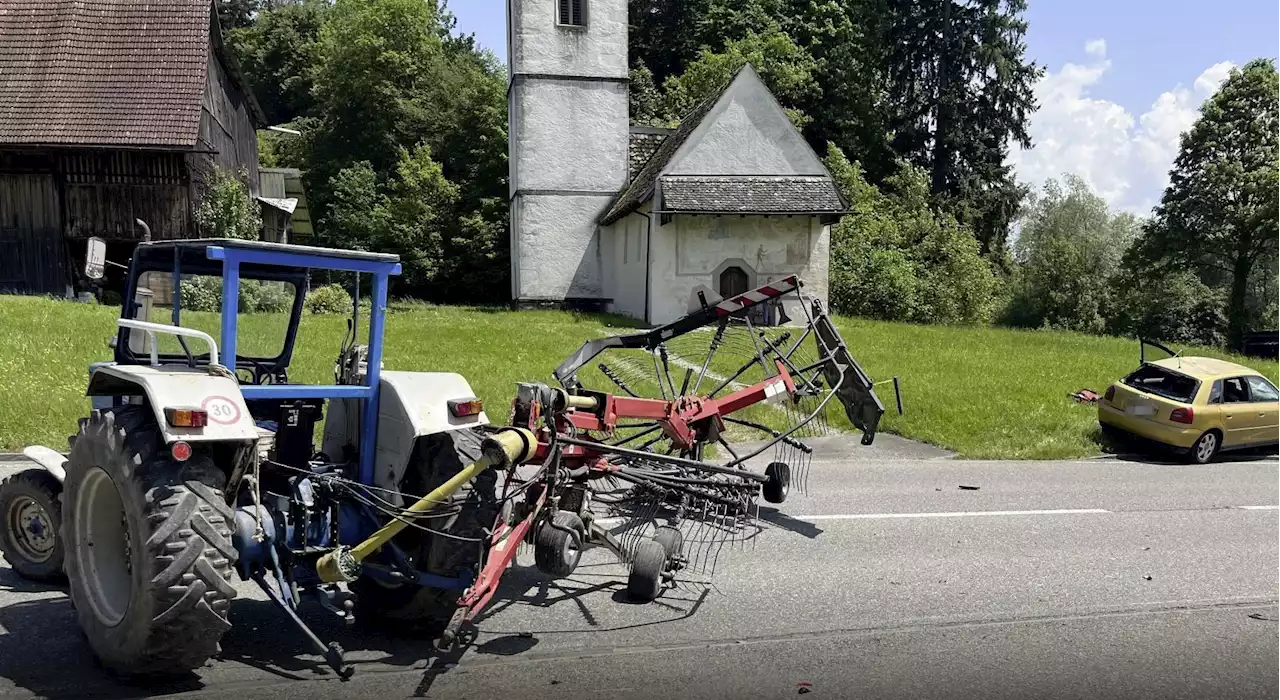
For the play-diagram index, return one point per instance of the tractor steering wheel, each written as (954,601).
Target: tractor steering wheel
(259,374)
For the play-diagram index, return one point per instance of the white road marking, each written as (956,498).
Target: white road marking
(945,514)
(950,514)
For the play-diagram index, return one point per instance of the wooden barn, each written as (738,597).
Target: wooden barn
(111,111)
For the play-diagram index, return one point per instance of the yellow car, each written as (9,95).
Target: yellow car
(1199,406)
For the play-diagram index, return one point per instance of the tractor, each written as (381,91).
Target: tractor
(199,462)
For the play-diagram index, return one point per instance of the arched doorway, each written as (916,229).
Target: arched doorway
(733,281)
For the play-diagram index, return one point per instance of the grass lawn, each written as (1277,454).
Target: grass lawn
(981,392)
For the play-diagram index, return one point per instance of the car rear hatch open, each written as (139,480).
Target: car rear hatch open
(1153,392)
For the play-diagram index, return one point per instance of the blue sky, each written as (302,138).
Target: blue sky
(1123,79)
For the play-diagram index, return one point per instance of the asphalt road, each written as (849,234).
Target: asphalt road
(1087,579)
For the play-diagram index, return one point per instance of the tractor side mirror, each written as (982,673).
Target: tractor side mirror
(95,259)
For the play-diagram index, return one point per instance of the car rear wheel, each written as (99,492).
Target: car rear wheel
(1206,448)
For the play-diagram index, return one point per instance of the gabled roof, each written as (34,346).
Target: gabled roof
(736,152)
(641,187)
(644,142)
(751,195)
(124,73)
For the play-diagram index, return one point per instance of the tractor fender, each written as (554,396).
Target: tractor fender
(52,460)
(410,405)
(215,391)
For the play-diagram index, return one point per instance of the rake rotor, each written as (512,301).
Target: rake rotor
(662,427)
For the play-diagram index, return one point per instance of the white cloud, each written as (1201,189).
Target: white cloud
(1124,158)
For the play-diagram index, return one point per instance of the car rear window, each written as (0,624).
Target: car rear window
(1162,382)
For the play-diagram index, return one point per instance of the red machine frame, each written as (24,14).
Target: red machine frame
(688,420)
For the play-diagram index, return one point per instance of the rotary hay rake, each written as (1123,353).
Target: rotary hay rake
(645,424)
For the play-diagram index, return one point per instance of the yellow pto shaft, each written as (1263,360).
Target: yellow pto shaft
(510,446)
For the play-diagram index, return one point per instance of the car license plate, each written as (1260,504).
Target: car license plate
(1140,410)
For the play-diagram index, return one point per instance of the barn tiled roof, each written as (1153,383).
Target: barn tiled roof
(644,143)
(774,194)
(102,72)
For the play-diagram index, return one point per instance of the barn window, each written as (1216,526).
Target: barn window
(572,13)
(733,281)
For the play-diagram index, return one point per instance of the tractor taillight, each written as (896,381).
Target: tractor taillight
(1111,393)
(186,417)
(181,451)
(1182,415)
(463,408)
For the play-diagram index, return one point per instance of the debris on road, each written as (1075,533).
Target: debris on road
(1147,577)
(1085,396)
(969,488)
(1260,616)
(805,687)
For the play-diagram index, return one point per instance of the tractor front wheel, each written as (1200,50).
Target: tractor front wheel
(149,553)
(30,514)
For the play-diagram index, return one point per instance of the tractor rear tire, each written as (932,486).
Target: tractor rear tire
(435,459)
(149,554)
(30,515)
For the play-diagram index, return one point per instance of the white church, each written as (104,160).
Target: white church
(634,220)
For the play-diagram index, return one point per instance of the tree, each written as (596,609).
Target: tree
(644,98)
(850,107)
(894,258)
(1218,216)
(391,78)
(961,91)
(1069,246)
(233,14)
(404,213)
(226,210)
(277,53)
(784,67)
(665,34)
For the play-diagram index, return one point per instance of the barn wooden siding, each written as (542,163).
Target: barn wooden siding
(52,200)
(106,192)
(228,136)
(32,255)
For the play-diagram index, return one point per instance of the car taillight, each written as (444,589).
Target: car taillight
(1111,393)
(186,417)
(1182,415)
(462,408)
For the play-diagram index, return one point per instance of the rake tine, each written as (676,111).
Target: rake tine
(726,534)
(657,375)
(711,351)
(703,526)
(604,369)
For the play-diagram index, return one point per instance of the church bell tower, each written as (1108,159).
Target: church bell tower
(568,123)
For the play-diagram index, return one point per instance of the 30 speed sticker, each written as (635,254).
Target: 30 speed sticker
(221,410)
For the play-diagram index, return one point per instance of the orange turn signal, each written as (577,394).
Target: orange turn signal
(186,417)
(462,408)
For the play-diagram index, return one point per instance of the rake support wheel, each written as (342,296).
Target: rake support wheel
(671,539)
(647,564)
(559,545)
(778,482)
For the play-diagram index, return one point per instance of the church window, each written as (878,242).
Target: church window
(572,13)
